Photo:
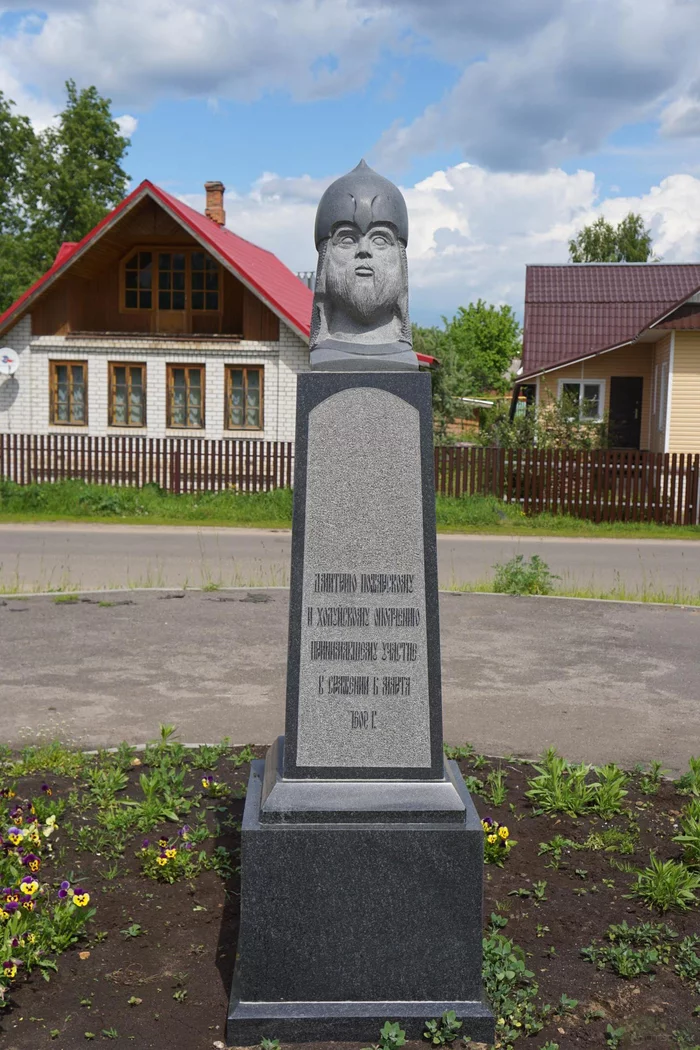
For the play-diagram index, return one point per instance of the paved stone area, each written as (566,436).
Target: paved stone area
(601,681)
(49,556)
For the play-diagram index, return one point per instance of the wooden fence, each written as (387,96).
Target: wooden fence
(602,485)
(176,464)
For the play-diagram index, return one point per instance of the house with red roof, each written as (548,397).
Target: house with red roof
(160,322)
(624,340)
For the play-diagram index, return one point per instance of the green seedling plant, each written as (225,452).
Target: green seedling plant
(613,1036)
(458,752)
(650,782)
(666,884)
(444,1031)
(560,787)
(689,836)
(613,840)
(689,783)
(391,1036)
(632,951)
(539,891)
(554,849)
(269,1044)
(511,989)
(244,757)
(496,790)
(610,790)
(207,756)
(687,960)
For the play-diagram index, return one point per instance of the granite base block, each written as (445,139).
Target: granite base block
(346,925)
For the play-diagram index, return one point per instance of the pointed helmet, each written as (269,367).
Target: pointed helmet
(363,197)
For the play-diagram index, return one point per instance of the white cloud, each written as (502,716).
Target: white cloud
(577,76)
(473,231)
(127,124)
(138,50)
(540,80)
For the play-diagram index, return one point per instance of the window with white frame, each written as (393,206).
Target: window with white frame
(586,394)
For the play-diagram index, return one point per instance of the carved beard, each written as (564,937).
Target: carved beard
(365,299)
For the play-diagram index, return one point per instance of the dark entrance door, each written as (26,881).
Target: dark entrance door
(625,411)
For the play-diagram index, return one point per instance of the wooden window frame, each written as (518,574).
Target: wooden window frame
(112,392)
(191,291)
(228,425)
(54,364)
(123,308)
(170,389)
(172,249)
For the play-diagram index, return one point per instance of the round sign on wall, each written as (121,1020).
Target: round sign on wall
(9,361)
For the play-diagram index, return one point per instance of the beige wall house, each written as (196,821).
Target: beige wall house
(623,338)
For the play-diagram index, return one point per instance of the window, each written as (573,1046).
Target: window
(186,396)
(589,396)
(68,393)
(138,281)
(204,281)
(172,280)
(244,398)
(127,395)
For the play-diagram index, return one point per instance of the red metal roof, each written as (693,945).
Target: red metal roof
(63,252)
(579,309)
(259,269)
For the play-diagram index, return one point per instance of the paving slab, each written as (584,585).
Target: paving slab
(602,681)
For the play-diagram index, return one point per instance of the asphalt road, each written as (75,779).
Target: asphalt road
(46,557)
(602,681)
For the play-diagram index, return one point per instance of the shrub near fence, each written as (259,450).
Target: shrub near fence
(602,485)
(175,464)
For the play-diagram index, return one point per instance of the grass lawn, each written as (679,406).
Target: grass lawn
(130,867)
(76,501)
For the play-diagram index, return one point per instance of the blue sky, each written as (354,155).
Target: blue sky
(508,124)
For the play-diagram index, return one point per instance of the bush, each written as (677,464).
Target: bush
(519,576)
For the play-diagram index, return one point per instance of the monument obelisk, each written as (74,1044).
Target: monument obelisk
(362,853)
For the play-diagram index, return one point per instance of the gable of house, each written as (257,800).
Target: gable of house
(84,288)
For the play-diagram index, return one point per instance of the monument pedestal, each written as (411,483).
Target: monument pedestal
(362,853)
(357,913)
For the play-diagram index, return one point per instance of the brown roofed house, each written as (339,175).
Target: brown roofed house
(623,338)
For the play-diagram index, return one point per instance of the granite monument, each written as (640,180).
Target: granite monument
(362,853)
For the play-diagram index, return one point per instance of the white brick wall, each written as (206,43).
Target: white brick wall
(24,397)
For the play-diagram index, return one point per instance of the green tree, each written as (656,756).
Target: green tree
(600,241)
(448,377)
(484,339)
(55,186)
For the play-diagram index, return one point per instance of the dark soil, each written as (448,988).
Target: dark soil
(189,938)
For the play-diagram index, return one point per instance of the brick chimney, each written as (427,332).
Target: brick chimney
(215,202)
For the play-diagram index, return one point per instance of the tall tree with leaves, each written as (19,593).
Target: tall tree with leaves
(55,186)
(485,339)
(600,241)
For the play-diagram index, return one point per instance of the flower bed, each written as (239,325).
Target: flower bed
(120,900)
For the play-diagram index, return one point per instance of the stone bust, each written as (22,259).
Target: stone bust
(360,313)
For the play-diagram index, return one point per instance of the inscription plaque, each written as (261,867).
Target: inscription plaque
(362,653)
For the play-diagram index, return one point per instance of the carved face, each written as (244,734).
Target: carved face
(363,271)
